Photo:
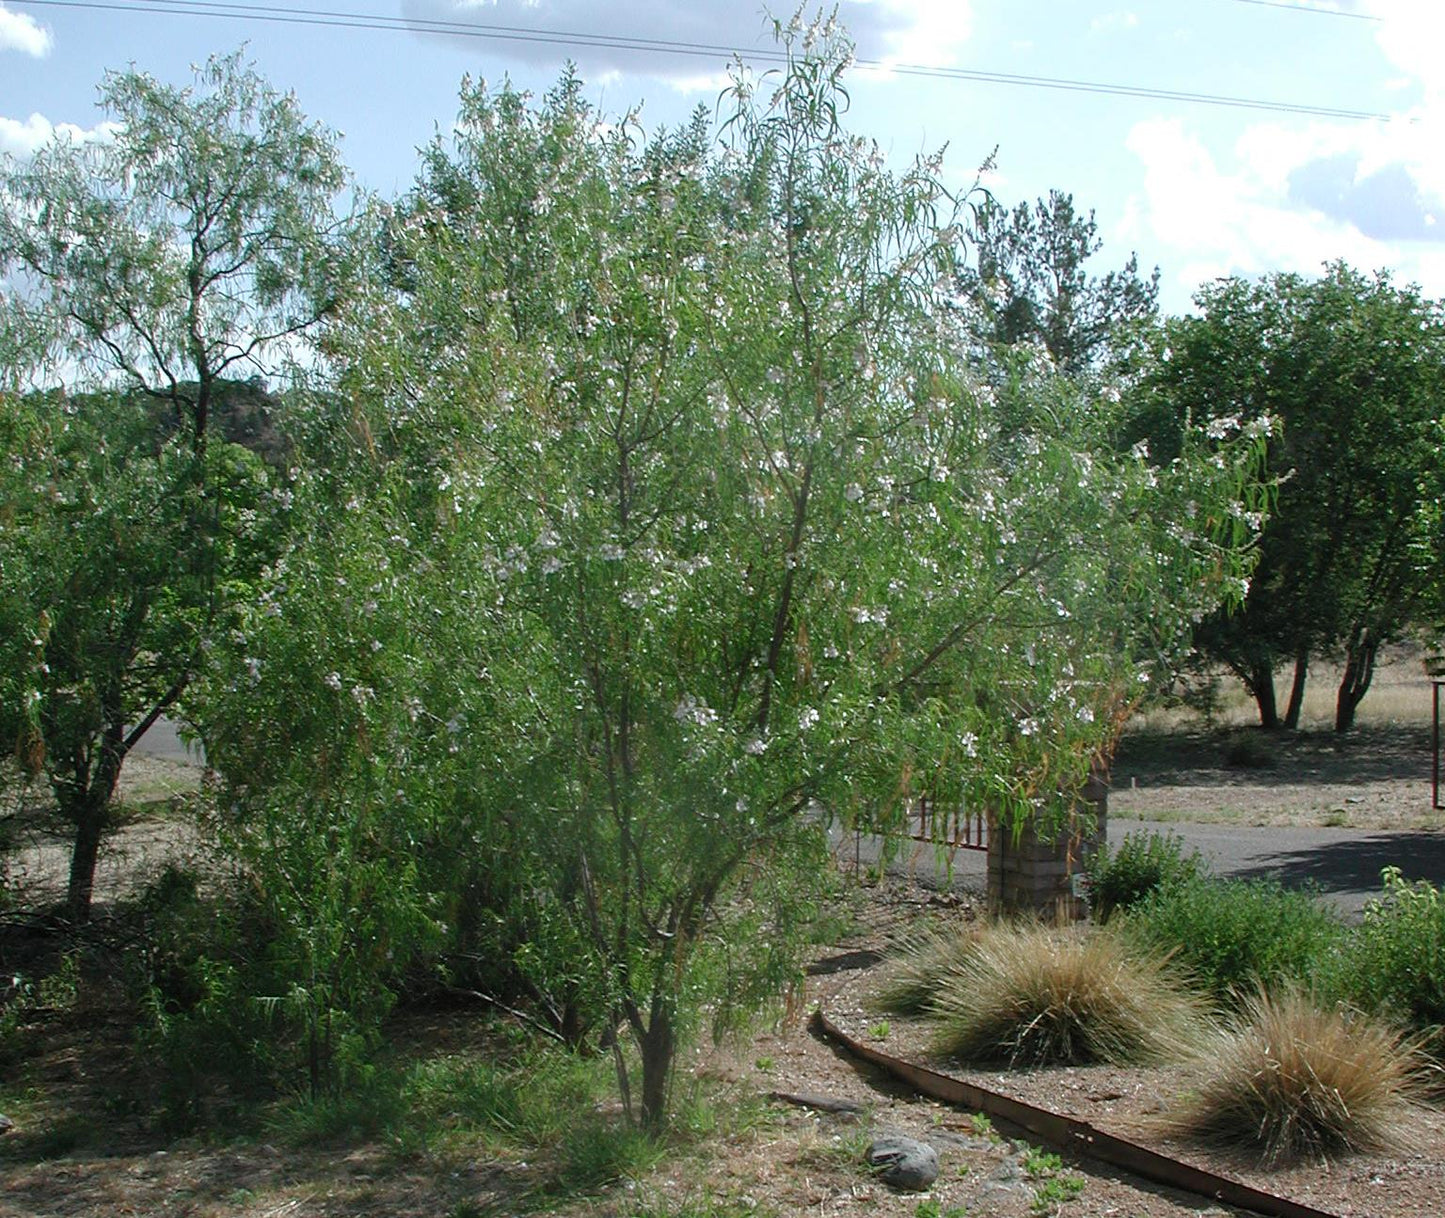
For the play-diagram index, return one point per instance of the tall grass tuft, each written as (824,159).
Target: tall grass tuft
(1028,995)
(1292,1079)
(914,974)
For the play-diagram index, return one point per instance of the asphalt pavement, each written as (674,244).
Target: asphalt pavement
(1343,864)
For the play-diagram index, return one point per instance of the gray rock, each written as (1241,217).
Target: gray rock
(1006,1183)
(903,1163)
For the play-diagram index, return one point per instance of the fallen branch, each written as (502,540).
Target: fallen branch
(821,1103)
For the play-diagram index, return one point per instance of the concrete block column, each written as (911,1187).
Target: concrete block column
(1033,876)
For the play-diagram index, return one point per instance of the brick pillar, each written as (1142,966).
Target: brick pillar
(1035,877)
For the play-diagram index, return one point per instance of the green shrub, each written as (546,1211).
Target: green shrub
(1143,863)
(1032,995)
(1395,962)
(1233,934)
(1248,750)
(1293,1079)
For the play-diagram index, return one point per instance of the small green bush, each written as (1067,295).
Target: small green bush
(1248,751)
(1395,962)
(1234,934)
(1143,863)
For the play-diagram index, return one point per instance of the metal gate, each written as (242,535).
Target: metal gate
(963,828)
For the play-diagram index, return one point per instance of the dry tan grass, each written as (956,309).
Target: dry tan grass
(1032,995)
(913,974)
(1294,1080)
(1399,694)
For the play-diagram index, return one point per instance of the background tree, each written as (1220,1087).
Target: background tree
(1352,366)
(189,249)
(1029,282)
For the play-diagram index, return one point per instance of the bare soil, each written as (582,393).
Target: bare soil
(82,1145)
(1377,776)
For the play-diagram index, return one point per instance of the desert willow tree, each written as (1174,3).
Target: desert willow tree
(192,244)
(740,540)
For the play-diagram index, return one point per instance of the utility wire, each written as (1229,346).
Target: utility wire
(295,15)
(1309,8)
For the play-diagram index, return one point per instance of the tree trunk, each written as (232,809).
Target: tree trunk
(1297,689)
(88,816)
(86,805)
(658,1045)
(1359,671)
(1261,685)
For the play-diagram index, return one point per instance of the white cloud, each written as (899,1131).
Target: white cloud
(21,32)
(1289,195)
(690,44)
(23,139)
(1109,22)
(1252,216)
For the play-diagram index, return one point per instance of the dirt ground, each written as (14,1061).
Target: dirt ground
(783,1160)
(1376,777)
(987,1175)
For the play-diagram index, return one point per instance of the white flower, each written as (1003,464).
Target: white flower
(808,718)
(692,710)
(756,747)
(853,493)
(1224,425)
(332,680)
(1028,727)
(1086,714)
(969,743)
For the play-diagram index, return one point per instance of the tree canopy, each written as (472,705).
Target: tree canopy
(1028,280)
(1353,368)
(156,267)
(735,542)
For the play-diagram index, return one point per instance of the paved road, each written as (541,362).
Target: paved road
(1343,863)
(162,741)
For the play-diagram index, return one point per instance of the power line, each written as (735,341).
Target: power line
(1308,8)
(295,15)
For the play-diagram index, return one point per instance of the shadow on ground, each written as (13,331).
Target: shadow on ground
(1354,865)
(1367,754)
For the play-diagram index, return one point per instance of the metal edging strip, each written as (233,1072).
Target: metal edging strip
(1071,1134)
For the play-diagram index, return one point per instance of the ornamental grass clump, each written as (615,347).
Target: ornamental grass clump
(1292,1079)
(914,974)
(1033,996)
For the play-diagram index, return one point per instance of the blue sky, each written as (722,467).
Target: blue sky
(1201,191)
